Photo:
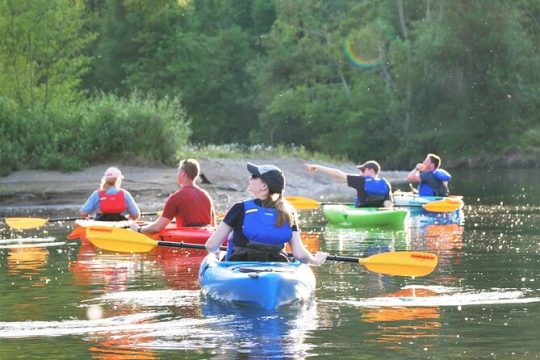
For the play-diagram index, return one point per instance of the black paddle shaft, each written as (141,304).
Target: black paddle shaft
(195,246)
(65,219)
(223,248)
(185,245)
(342,258)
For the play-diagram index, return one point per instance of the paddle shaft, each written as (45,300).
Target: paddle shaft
(223,248)
(64,219)
(342,258)
(403,263)
(185,245)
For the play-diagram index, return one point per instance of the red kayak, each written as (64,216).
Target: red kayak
(194,235)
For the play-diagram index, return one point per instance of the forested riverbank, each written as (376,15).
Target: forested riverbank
(146,82)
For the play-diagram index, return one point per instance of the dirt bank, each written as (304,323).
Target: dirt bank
(42,190)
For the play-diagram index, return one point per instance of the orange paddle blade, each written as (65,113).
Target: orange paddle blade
(77,233)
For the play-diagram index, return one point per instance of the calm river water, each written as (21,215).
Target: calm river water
(61,299)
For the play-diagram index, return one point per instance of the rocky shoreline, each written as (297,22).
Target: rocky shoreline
(36,190)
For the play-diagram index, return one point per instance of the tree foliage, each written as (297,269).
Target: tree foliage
(389,79)
(40,51)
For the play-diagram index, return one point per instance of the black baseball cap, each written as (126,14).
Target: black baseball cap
(271,175)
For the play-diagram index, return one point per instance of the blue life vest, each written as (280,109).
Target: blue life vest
(434,183)
(376,191)
(260,227)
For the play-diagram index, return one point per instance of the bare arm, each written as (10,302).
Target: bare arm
(414,175)
(218,237)
(300,252)
(327,170)
(154,227)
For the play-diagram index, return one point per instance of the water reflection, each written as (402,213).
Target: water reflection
(446,241)
(230,331)
(398,325)
(108,272)
(27,262)
(258,333)
(116,274)
(180,267)
(111,351)
(421,218)
(368,241)
(482,301)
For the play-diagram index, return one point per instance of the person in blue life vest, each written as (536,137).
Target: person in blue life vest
(110,202)
(433,181)
(258,228)
(371,190)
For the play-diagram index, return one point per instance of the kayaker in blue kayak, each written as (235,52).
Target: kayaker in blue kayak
(371,190)
(257,229)
(110,202)
(433,180)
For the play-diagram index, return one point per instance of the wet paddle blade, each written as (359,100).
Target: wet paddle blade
(403,263)
(25,223)
(442,206)
(77,233)
(300,202)
(119,240)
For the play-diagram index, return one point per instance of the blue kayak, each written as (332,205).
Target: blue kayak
(262,284)
(412,200)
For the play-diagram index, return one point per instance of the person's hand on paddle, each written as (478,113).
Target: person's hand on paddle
(135,227)
(319,258)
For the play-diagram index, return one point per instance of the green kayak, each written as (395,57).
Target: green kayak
(348,215)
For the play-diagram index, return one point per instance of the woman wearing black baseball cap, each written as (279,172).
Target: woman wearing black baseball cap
(257,229)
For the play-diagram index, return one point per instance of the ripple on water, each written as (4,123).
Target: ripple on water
(445,296)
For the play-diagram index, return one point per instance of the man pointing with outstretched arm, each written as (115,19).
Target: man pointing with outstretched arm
(371,190)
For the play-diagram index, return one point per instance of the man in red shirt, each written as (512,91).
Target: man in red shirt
(190,205)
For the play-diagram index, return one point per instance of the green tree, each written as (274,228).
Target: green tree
(471,71)
(40,51)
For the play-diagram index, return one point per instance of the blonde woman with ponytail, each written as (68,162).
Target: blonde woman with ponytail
(110,202)
(257,229)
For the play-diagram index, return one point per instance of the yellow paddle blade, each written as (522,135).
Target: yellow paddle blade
(403,263)
(445,205)
(300,202)
(25,223)
(119,240)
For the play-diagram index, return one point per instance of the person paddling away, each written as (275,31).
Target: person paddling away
(371,190)
(190,205)
(257,229)
(110,202)
(433,181)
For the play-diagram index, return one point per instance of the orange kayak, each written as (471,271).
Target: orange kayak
(194,235)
